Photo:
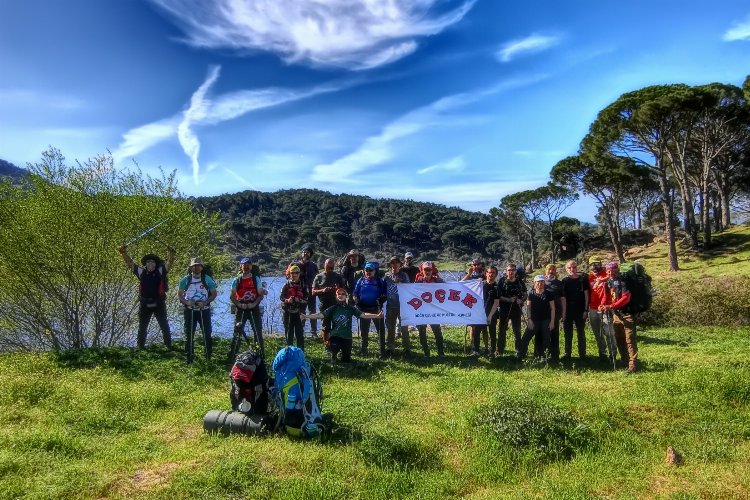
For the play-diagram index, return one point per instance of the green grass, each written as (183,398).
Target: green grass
(119,423)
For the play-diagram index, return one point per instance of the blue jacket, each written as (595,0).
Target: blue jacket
(370,292)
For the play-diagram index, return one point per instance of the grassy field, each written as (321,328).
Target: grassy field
(121,423)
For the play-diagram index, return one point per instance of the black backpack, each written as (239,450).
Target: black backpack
(639,284)
(249,382)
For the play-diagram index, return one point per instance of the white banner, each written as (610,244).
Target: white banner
(454,303)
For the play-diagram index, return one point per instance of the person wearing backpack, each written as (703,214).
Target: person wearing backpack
(152,292)
(293,301)
(309,270)
(370,294)
(246,293)
(597,297)
(351,269)
(196,291)
(618,304)
(574,309)
(511,292)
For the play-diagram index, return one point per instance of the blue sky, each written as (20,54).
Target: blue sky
(458,102)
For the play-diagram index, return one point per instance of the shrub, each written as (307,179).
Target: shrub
(708,301)
(548,432)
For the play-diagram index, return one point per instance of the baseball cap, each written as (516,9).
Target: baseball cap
(539,277)
(246,260)
(408,254)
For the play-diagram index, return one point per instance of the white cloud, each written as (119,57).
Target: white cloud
(34,99)
(376,150)
(455,164)
(531,44)
(739,31)
(141,138)
(206,110)
(354,34)
(196,112)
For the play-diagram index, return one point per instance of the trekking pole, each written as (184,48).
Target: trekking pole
(147,231)
(189,340)
(612,339)
(257,336)
(205,339)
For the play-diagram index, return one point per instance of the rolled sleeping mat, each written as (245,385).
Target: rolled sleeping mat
(227,422)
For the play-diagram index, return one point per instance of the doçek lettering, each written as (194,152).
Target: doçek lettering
(440,295)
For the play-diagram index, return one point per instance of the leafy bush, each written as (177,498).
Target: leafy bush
(548,432)
(714,301)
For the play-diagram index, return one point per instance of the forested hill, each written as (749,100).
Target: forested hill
(275,225)
(7,169)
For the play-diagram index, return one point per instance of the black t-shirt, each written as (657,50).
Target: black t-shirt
(323,280)
(411,272)
(490,295)
(539,309)
(555,287)
(573,291)
(506,288)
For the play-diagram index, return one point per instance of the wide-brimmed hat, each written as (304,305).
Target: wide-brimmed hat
(150,256)
(352,252)
(195,261)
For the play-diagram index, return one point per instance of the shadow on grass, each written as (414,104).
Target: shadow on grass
(645,339)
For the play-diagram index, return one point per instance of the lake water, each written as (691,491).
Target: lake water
(223,319)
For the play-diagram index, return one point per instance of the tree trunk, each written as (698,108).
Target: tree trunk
(705,198)
(614,236)
(668,209)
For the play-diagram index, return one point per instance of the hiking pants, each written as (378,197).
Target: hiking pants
(554,343)
(311,309)
(512,312)
(240,318)
(159,310)
(392,314)
(422,329)
(600,333)
(336,344)
(293,323)
(575,317)
(364,329)
(193,319)
(541,332)
(624,325)
(476,332)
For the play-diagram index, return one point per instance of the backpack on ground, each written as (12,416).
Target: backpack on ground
(639,284)
(298,394)
(249,384)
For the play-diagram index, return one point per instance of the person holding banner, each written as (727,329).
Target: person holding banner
(512,295)
(428,274)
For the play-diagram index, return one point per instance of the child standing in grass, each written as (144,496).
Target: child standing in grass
(337,325)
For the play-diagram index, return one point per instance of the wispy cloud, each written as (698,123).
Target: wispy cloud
(529,45)
(354,34)
(28,98)
(455,164)
(738,31)
(378,149)
(240,180)
(205,109)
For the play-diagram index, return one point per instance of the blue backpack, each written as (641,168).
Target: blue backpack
(298,393)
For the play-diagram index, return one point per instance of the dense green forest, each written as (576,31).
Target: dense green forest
(273,226)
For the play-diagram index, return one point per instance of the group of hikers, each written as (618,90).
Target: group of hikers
(360,289)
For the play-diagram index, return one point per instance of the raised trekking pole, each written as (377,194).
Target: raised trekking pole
(147,231)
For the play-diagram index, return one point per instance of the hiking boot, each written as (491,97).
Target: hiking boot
(408,354)
(473,354)
(565,359)
(603,358)
(630,371)
(491,355)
